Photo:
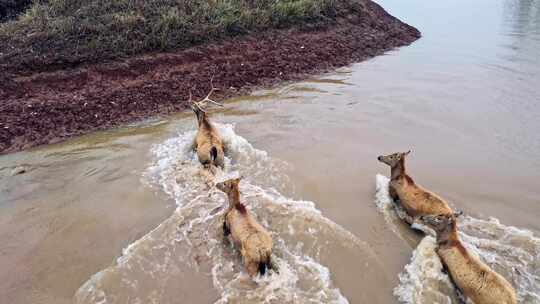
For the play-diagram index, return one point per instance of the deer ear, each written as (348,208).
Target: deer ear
(407,153)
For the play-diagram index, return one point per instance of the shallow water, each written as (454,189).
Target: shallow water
(123,216)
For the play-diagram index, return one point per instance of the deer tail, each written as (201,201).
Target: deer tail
(262,268)
(213,153)
(265,264)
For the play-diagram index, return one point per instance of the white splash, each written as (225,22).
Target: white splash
(423,281)
(384,202)
(192,237)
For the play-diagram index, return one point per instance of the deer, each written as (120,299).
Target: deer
(474,279)
(415,200)
(207,143)
(254,241)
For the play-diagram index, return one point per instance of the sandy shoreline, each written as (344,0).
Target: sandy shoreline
(49,107)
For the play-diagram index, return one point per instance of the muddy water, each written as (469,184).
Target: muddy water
(124,217)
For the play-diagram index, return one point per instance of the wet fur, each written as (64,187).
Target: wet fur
(472,277)
(254,241)
(208,142)
(414,199)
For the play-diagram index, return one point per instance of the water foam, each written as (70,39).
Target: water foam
(153,267)
(423,281)
(512,252)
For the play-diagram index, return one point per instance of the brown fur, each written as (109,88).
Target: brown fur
(241,208)
(206,140)
(254,241)
(470,275)
(415,200)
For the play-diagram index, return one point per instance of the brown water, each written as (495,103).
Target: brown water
(465,98)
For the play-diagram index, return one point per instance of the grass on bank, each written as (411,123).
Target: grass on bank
(60,32)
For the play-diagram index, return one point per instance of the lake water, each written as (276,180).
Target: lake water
(124,217)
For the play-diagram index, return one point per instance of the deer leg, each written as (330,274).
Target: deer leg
(273,265)
(252,268)
(409,219)
(393,194)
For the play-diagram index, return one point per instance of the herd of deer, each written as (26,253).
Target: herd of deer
(473,278)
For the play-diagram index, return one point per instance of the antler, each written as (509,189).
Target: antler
(194,102)
(201,103)
(212,89)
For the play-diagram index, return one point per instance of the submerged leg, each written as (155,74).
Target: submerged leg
(409,219)
(402,214)
(208,175)
(272,265)
(213,169)
(461,296)
(393,194)
(252,268)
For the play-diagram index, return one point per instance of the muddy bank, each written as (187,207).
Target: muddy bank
(49,107)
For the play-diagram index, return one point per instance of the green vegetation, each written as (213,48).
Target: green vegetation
(60,32)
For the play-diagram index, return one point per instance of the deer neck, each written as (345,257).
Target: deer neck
(204,123)
(398,170)
(234,197)
(448,237)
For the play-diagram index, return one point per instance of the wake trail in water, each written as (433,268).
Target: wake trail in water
(512,252)
(155,268)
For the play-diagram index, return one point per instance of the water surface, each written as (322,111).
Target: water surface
(465,98)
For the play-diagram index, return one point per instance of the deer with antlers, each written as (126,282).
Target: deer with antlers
(208,143)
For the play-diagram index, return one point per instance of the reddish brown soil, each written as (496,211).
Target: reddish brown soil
(49,107)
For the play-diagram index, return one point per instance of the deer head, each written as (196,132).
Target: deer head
(393,159)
